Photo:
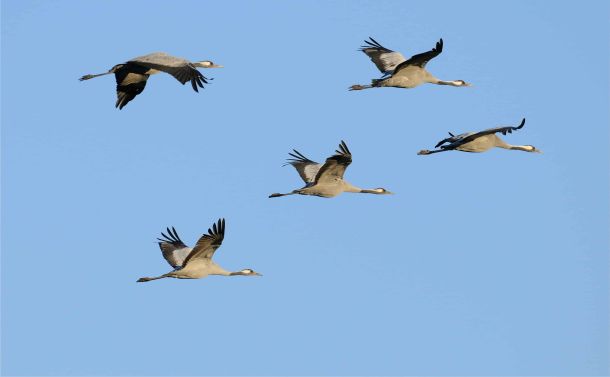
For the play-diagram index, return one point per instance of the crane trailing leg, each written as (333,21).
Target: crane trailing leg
(360,87)
(277,194)
(145,279)
(375,83)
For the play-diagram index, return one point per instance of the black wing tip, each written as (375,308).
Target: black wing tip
(171,236)
(298,156)
(439,45)
(120,104)
(344,148)
(176,236)
(372,43)
(221,228)
(218,228)
(522,124)
(444,141)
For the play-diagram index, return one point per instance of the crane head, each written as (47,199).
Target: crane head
(207,64)
(382,191)
(462,83)
(531,148)
(249,272)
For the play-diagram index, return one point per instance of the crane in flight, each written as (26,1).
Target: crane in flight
(196,262)
(131,76)
(407,74)
(325,180)
(480,141)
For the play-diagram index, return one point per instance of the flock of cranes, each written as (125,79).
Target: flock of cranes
(324,180)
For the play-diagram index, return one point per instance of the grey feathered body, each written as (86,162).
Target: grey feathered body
(482,144)
(408,77)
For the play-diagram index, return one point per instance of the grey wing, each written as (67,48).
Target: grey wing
(208,243)
(130,81)
(422,59)
(306,168)
(335,165)
(183,70)
(384,59)
(173,249)
(489,131)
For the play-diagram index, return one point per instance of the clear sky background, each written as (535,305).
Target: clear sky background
(481,264)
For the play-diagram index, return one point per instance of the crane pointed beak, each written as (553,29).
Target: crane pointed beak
(217,66)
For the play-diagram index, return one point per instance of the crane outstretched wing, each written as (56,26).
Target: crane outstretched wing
(306,168)
(474,135)
(130,81)
(173,249)
(422,59)
(456,141)
(384,59)
(335,165)
(503,130)
(208,243)
(183,70)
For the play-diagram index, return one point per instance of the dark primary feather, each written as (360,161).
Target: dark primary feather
(130,81)
(181,69)
(422,59)
(208,243)
(298,158)
(335,165)
(371,43)
(172,238)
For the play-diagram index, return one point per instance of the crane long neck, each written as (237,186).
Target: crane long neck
(502,144)
(451,83)
(348,187)
(433,80)
(524,148)
(214,269)
(368,191)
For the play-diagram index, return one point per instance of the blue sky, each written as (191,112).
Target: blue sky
(481,264)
